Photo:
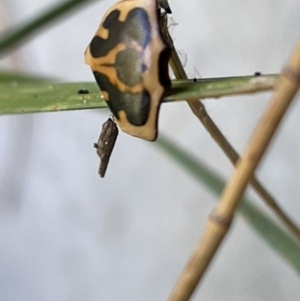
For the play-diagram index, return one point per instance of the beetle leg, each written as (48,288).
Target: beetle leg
(165,5)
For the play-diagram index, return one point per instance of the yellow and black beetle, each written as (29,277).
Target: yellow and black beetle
(129,59)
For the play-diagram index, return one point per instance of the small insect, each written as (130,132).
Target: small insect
(83,91)
(105,144)
(129,59)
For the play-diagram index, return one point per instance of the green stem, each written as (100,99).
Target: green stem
(18,97)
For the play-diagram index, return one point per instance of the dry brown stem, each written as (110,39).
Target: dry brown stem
(200,112)
(218,224)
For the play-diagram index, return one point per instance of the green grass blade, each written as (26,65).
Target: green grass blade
(221,86)
(18,34)
(19,96)
(272,234)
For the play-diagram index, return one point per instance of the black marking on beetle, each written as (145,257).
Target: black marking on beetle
(163,65)
(83,91)
(111,19)
(136,28)
(135,105)
(103,82)
(98,47)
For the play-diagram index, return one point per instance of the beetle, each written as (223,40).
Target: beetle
(129,60)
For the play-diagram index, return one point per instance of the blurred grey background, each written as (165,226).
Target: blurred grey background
(66,234)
